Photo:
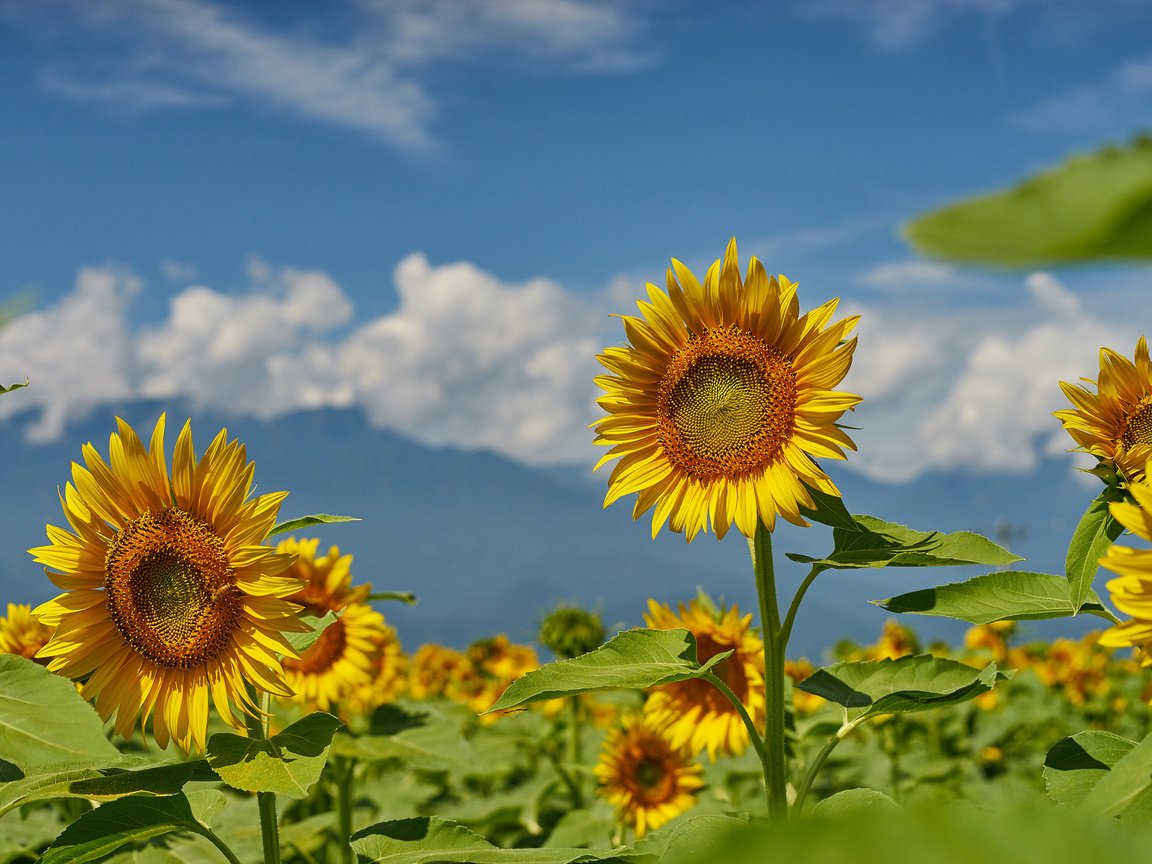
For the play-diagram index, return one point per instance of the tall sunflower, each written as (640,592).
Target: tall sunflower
(1132,589)
(695,713)
(647,778)
(170,596)
(344,657)
(722,398)
(1114,423)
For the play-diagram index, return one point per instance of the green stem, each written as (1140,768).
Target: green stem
(574,750)
(753,732)
(210,835)
(775,768)
(269,829)
(817,764)
(794,607)
(344,769)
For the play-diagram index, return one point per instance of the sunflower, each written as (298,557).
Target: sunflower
(697,715)
(389,676)
(22,632)
(170,596)
(1131,591)
(344,657)
(647,778)
(1114,424)
(721,400)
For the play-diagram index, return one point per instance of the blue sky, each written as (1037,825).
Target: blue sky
(428,208)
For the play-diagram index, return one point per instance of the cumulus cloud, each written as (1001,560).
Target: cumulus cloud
(1115,104)
(143,55)
(895,275)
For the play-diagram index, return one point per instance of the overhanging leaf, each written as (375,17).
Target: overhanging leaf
(876,543)
(105,785)
(1125,785)
(287,763)
(303,641)
(1096,206)
(117,823)
(308,521)
(634,659)
(1075,765)
(904,685)
(12,387)
(1006,595)
(1093,535)
(45,723)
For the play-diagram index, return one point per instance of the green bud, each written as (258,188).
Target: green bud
(569,632)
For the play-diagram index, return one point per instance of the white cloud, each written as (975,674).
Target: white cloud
(76,354)
(1115,105)
(139,55)
(909,274)
(895,24)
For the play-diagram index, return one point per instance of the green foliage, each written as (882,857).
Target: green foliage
(118,823)
(1074,766)
(101,785)
(316,625)
(568,632)
(12,387)
(290,525)
(287,763)
(635,659)
(1092,207)
(1006,595)
(44,723)
(1093,535)
(873,542)
(907,684)
(855,800)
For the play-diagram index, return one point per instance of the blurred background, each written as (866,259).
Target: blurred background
(380,241)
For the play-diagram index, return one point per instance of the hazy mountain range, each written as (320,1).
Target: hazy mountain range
(489,545)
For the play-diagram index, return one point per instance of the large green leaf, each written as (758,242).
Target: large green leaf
(287,763)
(1126,786)
(296,524)
(853,801)
(904,685)
(1006,595)
(634,659)
(1091,539)
(429,747)
(424,840)
(1092,207)
(12,387)
(44,723)
(876,543)
(101,785)
(1075,765)
(117,823)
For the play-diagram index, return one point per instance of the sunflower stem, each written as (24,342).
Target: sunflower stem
(775,644)
(817,764)
(753,733)
(574,751)
(794,606)
(258,731)
(344,769)
(211,837)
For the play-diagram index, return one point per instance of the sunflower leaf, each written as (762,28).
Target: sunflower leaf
(634,659)
(1093,207)
(45,723)
(1006,595)
(426,839)
(287,763)
(1126,786)
(307,521)
(102,831)
(303,641)
(12,387)
(876,543)
(829,510)
(1093,535)
(1076,764)
(905,685)
(102,785)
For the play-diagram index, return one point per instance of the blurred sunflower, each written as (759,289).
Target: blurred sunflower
(438,671)
(170,595)
(721,400)
(647,778)
(344,657)
(694,712)
(389,676)
(1131,591)
(22,632)
(1114,424)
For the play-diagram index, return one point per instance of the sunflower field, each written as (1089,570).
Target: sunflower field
(209,684)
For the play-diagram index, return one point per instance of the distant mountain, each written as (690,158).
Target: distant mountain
(490,546)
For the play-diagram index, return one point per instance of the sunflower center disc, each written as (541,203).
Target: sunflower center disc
(726,404)
(649,772)
(1138,426)
(171,592)
(323,653)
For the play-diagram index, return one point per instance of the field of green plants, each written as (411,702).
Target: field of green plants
(210,684)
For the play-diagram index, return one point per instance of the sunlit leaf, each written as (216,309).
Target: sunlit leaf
(1092,207)
(308,521)
(288,763)
(317,625)
(102,785)
(117,823)
(1126,786)
(1091,539)
(45,723)
(899,686)
(1006,595)
(1076,764)
(634,659)
(12,387)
